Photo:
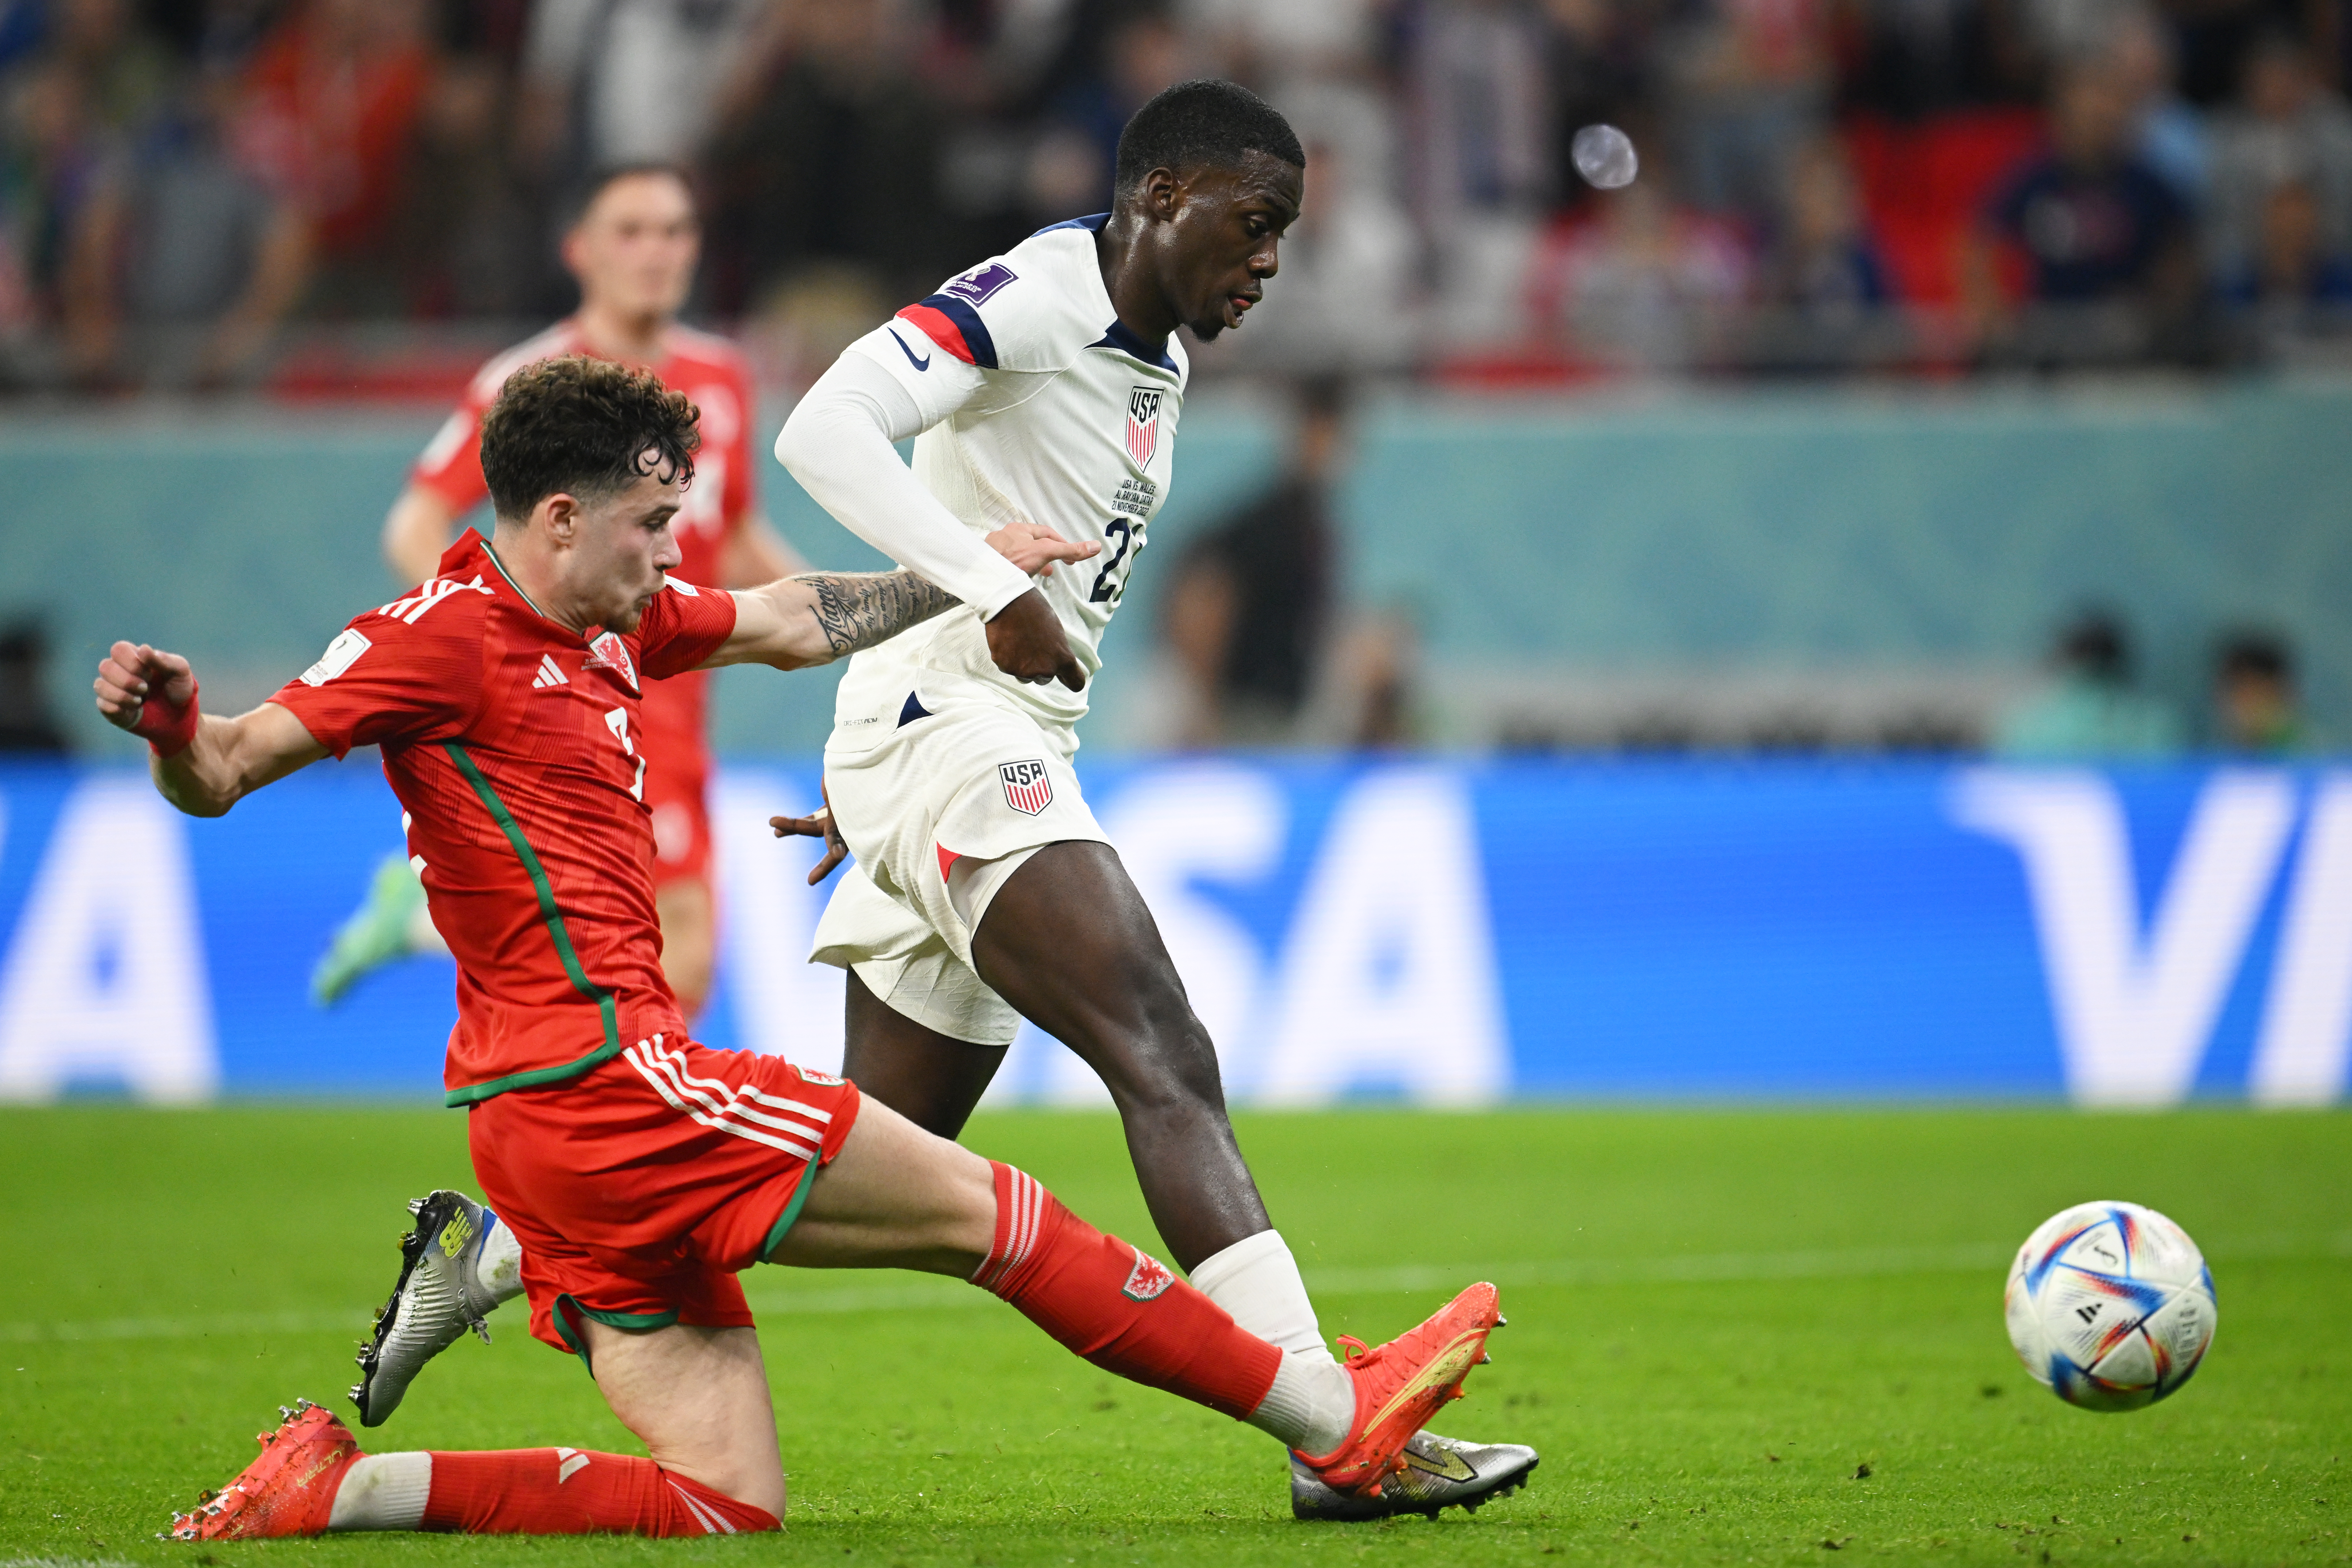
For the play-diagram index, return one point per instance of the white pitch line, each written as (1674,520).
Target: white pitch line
(1723,1267)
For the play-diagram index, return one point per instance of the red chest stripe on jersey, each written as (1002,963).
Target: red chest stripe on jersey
(556,929)
(956,327)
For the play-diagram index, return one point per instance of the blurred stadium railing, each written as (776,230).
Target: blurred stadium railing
(1782,571)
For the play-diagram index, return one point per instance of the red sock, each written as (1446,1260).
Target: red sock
(1117,1306)
(568,1491)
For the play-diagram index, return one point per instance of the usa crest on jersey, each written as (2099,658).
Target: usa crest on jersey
(1143,424)
(1027,789)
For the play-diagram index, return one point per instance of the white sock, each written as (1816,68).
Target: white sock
(1312,1406)
(1257,1280)
(387,1491)
(498,1268)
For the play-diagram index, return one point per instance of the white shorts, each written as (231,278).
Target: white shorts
(938,816)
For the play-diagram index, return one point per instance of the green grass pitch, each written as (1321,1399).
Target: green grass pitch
(1718,1320)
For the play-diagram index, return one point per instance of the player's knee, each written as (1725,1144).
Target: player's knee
(963,1218)
(1170,1070)
(1161,1014)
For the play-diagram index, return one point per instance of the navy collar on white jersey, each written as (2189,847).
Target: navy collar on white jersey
(1119,335)
(1123,338)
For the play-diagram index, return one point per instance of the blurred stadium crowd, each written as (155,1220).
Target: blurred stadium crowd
(360,199)
(1258,647)
(322,195)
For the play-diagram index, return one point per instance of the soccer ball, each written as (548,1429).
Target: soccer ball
(2111,1305)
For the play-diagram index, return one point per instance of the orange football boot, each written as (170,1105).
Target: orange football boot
(1400,1385)
(289,1491)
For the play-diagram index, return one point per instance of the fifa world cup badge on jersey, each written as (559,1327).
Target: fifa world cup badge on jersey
(340,653)
(1148,1278)
(1143,424)
(976,285)
(1027,790)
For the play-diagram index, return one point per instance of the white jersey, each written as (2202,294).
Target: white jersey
(1054,413)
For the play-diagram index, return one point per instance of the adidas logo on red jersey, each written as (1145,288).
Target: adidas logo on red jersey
(549,675)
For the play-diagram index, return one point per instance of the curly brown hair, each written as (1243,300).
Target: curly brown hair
(583,426)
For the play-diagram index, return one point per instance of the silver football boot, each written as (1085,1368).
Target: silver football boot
(1439,1473)
(439,1296)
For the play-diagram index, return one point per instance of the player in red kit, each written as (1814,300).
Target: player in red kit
(642,1170)
(633,249)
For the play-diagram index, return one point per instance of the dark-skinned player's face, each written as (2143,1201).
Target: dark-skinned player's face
(1225,226)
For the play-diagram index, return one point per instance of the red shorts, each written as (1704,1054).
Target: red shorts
(641,1188)
(678,795)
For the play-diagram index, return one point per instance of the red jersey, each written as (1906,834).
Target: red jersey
(712,373)
(516,747)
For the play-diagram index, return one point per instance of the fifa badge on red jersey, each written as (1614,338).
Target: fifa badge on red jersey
(1027,790)
(609,652)
(1143,424)
(340,653)
(1149,1278)
(810,1075)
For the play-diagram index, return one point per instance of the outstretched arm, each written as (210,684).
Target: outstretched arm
(838,445)
(200,763)
(819,617)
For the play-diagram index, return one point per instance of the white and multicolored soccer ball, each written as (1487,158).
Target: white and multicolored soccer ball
(2111,1305)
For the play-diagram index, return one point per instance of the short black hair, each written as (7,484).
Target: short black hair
(2258,654)
(1325,396)
(1197,124)
(606,176)
(582,427)
(2095,644)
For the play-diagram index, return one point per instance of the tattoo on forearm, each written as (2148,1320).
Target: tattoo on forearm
(857,609)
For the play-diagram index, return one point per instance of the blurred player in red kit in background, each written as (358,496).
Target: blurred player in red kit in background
(633,248)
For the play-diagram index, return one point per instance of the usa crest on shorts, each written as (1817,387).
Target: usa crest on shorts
(1143,424)
(1027,789)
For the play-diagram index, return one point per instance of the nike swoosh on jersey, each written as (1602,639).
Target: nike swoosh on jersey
(922,364)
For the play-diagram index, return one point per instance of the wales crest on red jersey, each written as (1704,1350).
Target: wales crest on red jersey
(609,652)
(1143,424)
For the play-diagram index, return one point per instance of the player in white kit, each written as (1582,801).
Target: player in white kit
(945,773)
(1045,385)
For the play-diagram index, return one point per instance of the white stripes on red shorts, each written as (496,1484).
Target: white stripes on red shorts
(786,1124)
